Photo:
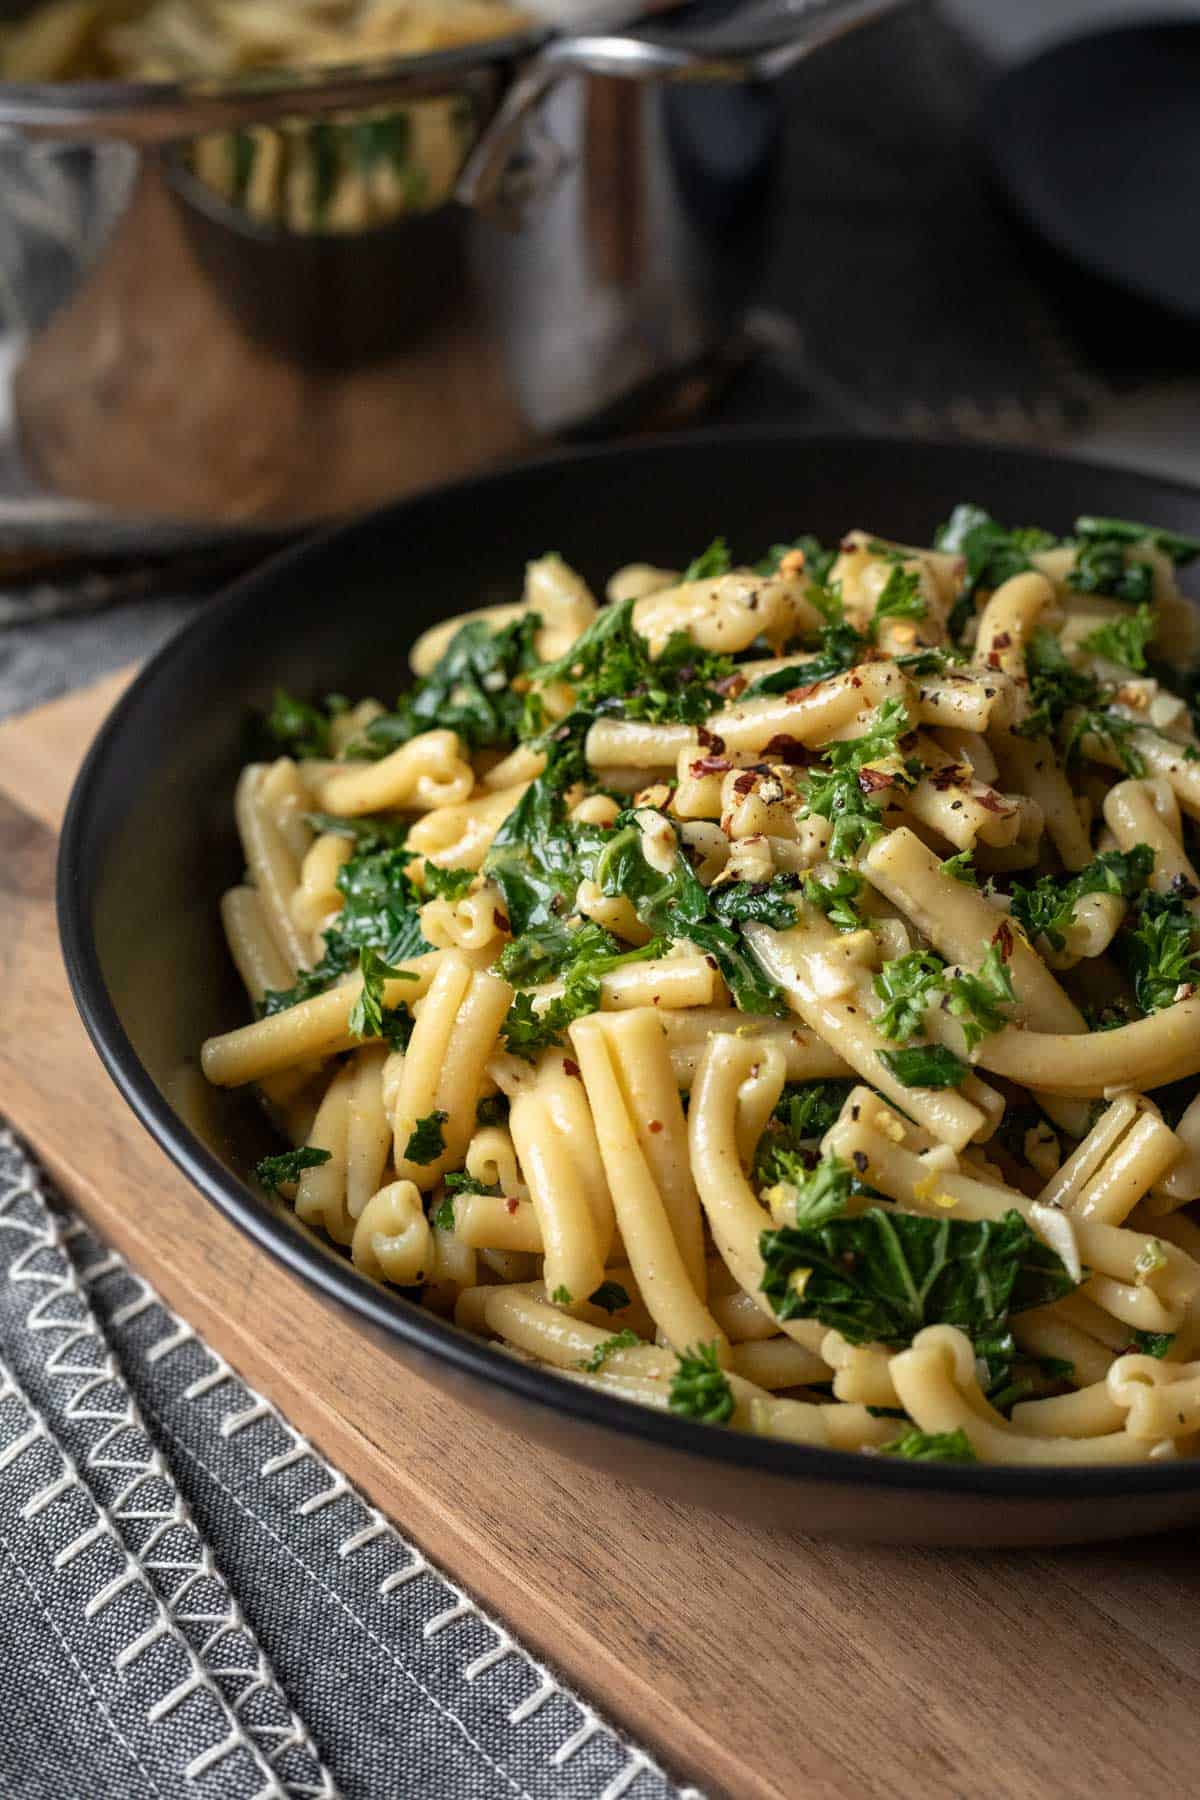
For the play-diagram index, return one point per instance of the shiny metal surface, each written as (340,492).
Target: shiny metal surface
(597,257)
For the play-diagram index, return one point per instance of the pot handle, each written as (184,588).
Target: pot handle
(761,42)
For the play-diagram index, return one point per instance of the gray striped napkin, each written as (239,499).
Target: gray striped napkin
(193,1602)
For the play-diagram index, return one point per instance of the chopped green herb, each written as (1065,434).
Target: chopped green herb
(840,792)
(710,563)
(1062,695)
(836,898)
(1124,640)
(370,831)
(1160,950)
(977,1000)
(817,560)
(366,1015)
(907,985)
(1153,1343)
(1101,568)
(610,668)
(469,690)
(621,1340)
(493,1110)
(992,554)
(1047,908)
(447,884)
(1180,549)
(610,1297)
(813,1196)
(561,1296)
(700,1387)
(426,1142)
(273,1172)
(803,1114)
(443,1218)
(961,868)
(901,597)
(297,729)
(925,1065)
(932,1446)
(380,912)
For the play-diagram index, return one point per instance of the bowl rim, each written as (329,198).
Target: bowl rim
(335,1278)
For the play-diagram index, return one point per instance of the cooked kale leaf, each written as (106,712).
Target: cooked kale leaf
(881,1276)
(470,690)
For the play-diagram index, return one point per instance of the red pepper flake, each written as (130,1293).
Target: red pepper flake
(744,783)
(709,739)
(1003,939)
(710,765)
(873,781)
(788,750)
(993,802)
(730,686)
(511,1204)
(856,681)
(948,776)
(859,1160)
(654,1125)
(993,659)
(803,693)
(569,1067)
(1002,640)
(500,920)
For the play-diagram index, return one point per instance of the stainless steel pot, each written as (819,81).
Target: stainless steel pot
(591,266)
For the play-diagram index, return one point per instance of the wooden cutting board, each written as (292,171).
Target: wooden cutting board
(755,1664)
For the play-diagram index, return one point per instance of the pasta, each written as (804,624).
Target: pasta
(343,173)
(772,996)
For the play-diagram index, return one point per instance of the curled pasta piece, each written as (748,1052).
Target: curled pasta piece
(937,1387)
(1009,620)
(1147,1054)
(321,1191)
(651,1186)
(392,1240)
(809,716)
(1125,1255)
(429,771)
(257,957)
(476,922)
(843,1020)
(317,895)
(1147,812)
(459,837)
(368,1130)
(273,867)
(457,1026)
(312,1029)
(736,1218)
(572,1236)
(1159,1399)
(728,612)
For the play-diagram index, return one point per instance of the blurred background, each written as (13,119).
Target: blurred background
(961,219)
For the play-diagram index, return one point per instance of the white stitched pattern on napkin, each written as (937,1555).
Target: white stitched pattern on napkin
(406,1685)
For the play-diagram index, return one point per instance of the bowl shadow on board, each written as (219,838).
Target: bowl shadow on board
(149,845)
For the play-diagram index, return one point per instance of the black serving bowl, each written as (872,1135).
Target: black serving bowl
(149,845)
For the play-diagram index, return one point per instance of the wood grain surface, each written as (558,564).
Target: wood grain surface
(756,1664)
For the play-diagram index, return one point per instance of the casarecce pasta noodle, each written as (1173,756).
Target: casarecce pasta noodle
(771,994)
(345,172)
